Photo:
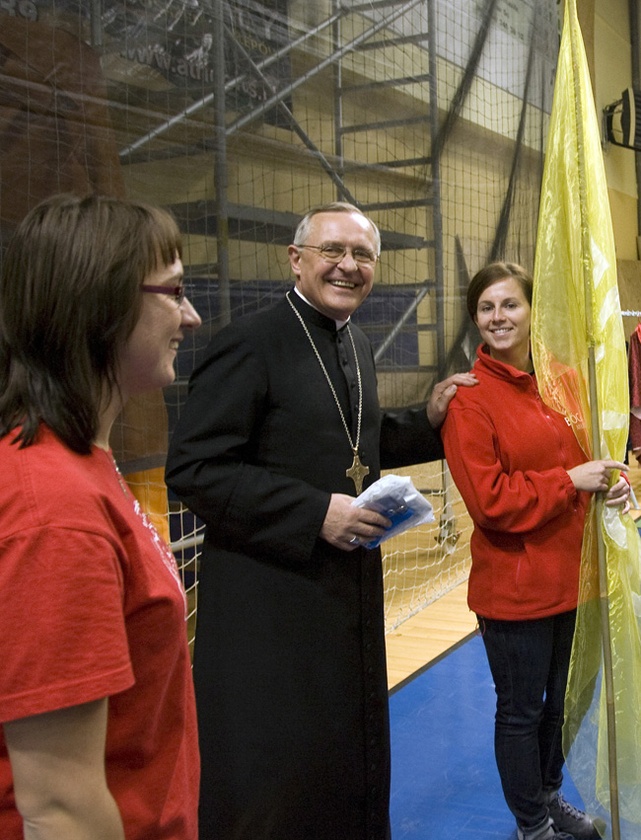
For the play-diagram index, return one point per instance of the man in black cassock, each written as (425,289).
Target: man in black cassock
(281,424)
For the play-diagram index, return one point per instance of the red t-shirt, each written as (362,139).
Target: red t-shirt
(91,606)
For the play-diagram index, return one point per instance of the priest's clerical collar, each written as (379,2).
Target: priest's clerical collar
(339,324)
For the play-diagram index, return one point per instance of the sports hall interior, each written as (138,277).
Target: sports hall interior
(239,115)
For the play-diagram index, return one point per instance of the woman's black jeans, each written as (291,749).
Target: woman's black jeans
(529,661)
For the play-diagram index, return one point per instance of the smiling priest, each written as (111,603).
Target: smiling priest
(281,430)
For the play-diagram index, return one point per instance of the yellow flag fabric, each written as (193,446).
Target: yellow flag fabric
(579,354)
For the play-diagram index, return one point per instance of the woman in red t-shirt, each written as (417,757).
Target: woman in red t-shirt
(97,715)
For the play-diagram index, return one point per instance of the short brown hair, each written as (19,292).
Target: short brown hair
(69,299)
(492,273)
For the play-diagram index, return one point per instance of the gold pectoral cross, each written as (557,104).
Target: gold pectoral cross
(357,472)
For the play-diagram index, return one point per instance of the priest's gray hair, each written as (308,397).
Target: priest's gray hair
(302,231)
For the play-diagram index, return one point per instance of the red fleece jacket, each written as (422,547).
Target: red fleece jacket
(509,454)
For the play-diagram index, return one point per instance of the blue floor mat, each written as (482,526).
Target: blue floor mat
(444,779)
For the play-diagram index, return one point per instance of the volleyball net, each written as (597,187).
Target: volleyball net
(239,115)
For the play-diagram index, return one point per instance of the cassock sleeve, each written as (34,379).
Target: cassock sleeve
(212,465)
(407,438)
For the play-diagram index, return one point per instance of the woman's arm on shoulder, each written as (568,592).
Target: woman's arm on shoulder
(58,767)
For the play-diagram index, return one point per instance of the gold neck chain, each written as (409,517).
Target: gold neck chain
(358,470)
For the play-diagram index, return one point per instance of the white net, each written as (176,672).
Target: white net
(239,115)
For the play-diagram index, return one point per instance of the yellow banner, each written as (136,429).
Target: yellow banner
(579,353)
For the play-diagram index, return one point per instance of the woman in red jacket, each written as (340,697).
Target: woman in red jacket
(526,484)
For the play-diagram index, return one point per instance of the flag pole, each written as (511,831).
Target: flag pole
(604,601)
(604,611)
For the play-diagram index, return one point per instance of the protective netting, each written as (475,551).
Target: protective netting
(431,115)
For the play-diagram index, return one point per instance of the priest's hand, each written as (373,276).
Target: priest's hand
(346,525)
(443,392)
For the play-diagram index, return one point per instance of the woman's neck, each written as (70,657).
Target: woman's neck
(106,418)
(103,434)
(517,359)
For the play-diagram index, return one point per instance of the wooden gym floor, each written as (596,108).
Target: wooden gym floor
(428,635)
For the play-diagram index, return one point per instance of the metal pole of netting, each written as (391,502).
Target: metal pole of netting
(437,221)
(390,338)
(220,165)
(445,129)
(604,610)
(633,13)
(502,228)
(96,23)
(604,604)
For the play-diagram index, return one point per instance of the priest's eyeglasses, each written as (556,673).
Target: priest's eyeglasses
(176,292)
(335,252)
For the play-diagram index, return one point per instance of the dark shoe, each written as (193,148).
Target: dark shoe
(574,821)
(549,833)
(545,830)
